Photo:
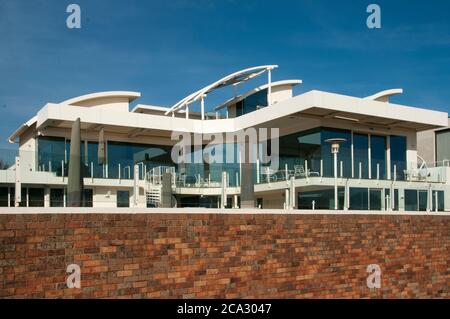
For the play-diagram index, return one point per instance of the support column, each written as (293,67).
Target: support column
(247,186)
(166,190)
(223,197)
(292,193)
(18,184)
(47,197)
(235,200)
(401,199)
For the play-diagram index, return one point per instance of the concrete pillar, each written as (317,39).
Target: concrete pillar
(401,199)
(166,191)
(235,199)
(47,197)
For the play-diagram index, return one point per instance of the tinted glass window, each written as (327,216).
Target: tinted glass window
(398,156)
(361,155)
(123,199)
(378,154)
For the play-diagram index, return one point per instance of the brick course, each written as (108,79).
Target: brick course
(224,255)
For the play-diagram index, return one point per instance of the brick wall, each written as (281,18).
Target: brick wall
(224,256)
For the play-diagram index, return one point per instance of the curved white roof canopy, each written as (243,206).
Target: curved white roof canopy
(88,97)
(232,79)
(239,98)
(384,96)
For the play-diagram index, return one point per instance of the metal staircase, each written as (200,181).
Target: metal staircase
(153,184)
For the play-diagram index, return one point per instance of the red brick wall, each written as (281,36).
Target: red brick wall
(225,256)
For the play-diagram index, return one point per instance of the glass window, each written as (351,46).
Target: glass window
(36,197)
(438,198)
(398,156)
(378,154)
(375,199)
(423,200)
(127,155)
(361,155)
(396,200)
(4,196)
(52,152)
(57,197)
(297,148)
(320,199)
(88,197)
(123,198)
(359,198)
(344,155)
(411,200)
(12,196)
(252,103)
(443,145)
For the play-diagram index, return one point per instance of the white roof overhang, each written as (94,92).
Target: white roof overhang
(313,104)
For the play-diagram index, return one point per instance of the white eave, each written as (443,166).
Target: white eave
(240,97)
(22,129)
(140,108)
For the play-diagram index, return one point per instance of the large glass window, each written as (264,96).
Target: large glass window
(438,200)
(52,153)
(4,196)
(57,197)
(398,156)
(344,155)
(361,155)
(375,199)
(411,200)
(378,154)
(359,198)
(36,197)
(443,146)
(297,148)
(320,199)
(252,103)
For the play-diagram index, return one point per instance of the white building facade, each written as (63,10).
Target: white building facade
(377,166)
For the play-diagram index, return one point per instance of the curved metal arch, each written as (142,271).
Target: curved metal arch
(231,79)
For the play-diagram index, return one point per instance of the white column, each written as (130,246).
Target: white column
(388,157)
(352,156)
(269,87)
(202,103)
(335,181)
(18,185)
(369,152)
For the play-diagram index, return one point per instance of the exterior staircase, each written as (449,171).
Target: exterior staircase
(153,184)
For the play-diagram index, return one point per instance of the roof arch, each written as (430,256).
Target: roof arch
(92,96)
(384,96)
(231,79)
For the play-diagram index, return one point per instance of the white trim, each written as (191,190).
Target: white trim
(202,211)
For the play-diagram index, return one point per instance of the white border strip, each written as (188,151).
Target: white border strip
(115,210)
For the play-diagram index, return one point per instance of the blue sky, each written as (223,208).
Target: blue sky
(167,49)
